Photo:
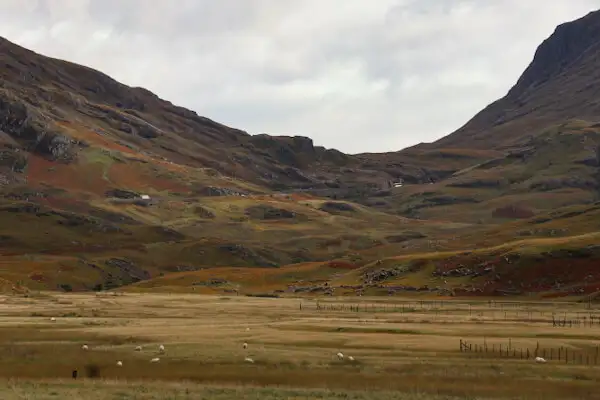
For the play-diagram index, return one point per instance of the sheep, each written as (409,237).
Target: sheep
(161,348)
(247,329)
(119,363)
(245,345)
(540,360)
(340,356)
(52,319)
(84,347)
(350,358)
(249,360)
(155,360)
(138,348)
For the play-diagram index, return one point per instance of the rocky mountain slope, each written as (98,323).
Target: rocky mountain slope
(561,83)
(108,185)
(535,149)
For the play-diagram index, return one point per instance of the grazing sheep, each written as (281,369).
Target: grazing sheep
(540,360)
(161,348)
(119,364)
(245,345)
(350,358)
(53,319)
(340,356)
(155,360)
(247,329)
(138,348)
(85,347)
(249,360)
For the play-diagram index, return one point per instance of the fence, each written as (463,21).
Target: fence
(482,312)
(579,321)
(588,356)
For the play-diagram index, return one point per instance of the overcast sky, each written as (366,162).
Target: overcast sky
(356,75)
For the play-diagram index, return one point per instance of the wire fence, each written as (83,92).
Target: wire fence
(584,356)
(484,312)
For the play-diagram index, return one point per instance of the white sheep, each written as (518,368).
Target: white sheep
(540,360)
(350,358)
(245,345)
(119,363)
(138,348)
(52,319)
(161,348)
(247,329)
(340,356)
(155,360)
(84,347)
(249,360)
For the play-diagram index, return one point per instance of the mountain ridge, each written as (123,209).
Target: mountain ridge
(79,150)
(555,63)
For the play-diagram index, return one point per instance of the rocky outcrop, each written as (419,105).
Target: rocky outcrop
(266,212)
(333,207)
(35,132)
(122,194)
(219,191)
(128,268)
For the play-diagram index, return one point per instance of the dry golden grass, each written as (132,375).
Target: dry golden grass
(111,389)
(402,346)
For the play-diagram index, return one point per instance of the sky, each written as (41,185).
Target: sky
(355,75)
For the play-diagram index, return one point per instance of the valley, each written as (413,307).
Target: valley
(108,187)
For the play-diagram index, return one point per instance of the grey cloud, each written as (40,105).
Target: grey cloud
(356,75)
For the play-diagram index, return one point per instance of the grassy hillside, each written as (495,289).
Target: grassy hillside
(538,267)
(105,186)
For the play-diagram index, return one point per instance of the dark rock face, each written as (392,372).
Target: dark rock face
(336,207)
(294,151)
(219,191)
(34,132)
(265,212)
(57,147)
(128,268)
(383,274)
(121,194)
(561,50)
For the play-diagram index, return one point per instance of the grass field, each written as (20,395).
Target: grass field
(160,391)
(403,349)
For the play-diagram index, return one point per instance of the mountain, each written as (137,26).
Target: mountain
(103,185)
(110,184)
(536,149)
(562,83)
